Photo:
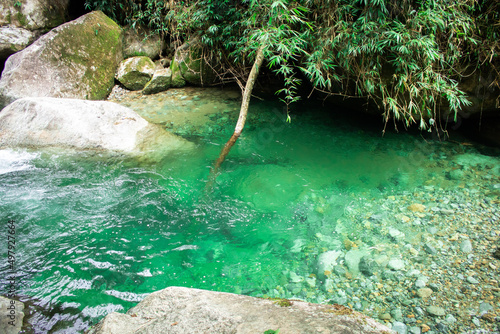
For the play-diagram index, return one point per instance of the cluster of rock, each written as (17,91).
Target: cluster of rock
(44,86)
(187,66)
(22,21)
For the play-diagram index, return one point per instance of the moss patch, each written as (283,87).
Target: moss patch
(338,309)
(88,51)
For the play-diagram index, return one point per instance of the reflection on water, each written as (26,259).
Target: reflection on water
(96,235)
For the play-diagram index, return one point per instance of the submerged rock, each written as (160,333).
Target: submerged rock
(327,261)
(75,60)
(184,310)
(82,125)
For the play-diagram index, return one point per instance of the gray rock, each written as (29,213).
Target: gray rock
(326,261)
(466,246)
(176,310)
(33,14)
(396,234)
(11,316)
(161,81)
(472,280)
(485,307)
(397,314)
(135,72)
(142,41)
(424,292)
(414,330)
(430,249)
(399,327)
(420,283)
(450,319)
(436,311)
(13,40)
(83,125)
(368,266)
(192,66)
(352,259)
(396,264)
(74,60)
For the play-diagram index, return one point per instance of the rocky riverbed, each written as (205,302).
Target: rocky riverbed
(420,261)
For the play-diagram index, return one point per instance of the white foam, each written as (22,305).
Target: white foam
(13,161)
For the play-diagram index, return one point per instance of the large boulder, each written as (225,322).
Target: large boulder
(83,125)
(194,66)
(184,310)
(75,60)
(33,14)
(142,42)
(135,72)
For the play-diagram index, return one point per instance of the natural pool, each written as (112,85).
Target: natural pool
(323,209)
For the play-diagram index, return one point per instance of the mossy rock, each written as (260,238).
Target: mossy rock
(135,72)
(177,78)
(193,64)
(160,82)
(33,14)
(75,60)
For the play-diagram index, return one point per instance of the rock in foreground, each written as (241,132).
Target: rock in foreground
(184,310)
(82,125)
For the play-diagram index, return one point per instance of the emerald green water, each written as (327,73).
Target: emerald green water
(96,234)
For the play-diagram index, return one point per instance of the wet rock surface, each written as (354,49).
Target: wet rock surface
(183,310)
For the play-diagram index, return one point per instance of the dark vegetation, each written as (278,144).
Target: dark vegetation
(407,56)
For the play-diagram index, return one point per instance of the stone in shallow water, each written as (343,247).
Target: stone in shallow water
(472,280)
(396,264)
(485,307)
(368,266)
(450,319)
(424,292)
(420,283)
(435,311)
(352,259)
(399,327)
(430,249)
(416,207)
(326,261)
(466,246)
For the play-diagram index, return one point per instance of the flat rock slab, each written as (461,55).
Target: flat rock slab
(82,125)
(184,310)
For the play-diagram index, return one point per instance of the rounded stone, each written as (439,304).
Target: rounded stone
(424,292)
(436,311)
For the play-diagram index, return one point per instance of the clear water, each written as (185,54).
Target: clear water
(96,234)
